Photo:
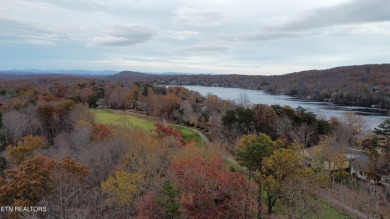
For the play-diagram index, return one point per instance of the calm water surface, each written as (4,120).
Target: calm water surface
(373,116)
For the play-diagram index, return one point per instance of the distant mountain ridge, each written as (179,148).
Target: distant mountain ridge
(183,73)
(15,74)
(89,72)
(59,71)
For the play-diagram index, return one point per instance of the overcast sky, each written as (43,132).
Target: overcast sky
(200,36)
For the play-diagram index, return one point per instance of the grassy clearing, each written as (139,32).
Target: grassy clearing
(121,118)
(233,167)
(325,211)
(329,212)
(189,135)
(230,165)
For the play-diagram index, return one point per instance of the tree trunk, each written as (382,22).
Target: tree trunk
(259,201)
(333,178)
(290,209)
(290,216)
(271,202)
(246,203)
(269,205)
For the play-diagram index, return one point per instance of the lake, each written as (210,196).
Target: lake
(373,116)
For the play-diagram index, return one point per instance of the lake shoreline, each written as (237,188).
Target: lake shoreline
(381,111)
(373,116)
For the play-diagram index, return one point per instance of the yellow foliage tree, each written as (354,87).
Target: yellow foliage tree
(24,149)
(286,177)
(122,188)
(278,167)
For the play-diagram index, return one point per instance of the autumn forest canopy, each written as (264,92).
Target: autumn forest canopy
(127,146)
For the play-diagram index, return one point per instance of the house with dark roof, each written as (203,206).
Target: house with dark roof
(359,166)
(355,160)
(360,169)
(311,152)
(375,89)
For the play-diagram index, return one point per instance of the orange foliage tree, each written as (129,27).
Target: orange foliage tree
(24,149)
(39,178)
(100,132)
(26,185)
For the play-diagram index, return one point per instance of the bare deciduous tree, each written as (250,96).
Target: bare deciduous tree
(16,123)
(304,134)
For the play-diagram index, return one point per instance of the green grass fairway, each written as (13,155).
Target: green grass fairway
(121,118)
(189,135)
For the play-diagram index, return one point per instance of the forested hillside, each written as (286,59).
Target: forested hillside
(364,85)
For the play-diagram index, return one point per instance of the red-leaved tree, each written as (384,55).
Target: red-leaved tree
(165,131)
(208,189)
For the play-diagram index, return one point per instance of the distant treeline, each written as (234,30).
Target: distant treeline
(363,85)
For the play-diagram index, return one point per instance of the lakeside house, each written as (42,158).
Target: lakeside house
(375,89)
(380,89)
(316,159)
(352,160)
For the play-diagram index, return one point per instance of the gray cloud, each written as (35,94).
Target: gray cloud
(353,12)
(179,35)
(203,49)
(41,42)
(360,29)
(32,32)
(86,5)
(200,18)
(351,18)
(128,35)
(16,26)
(261,35)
